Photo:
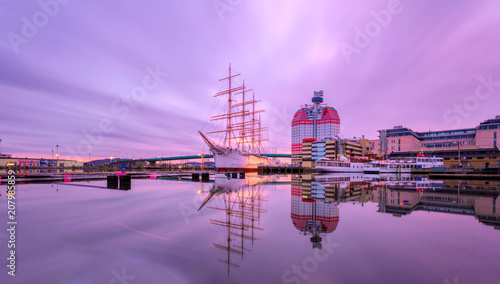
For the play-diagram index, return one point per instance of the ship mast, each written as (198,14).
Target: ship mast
(253,124)
(243,118)
(230,115)
(245,131)
(229,109)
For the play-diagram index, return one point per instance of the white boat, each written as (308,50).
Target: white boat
(372,167)
(405,165)
(241,147)
(339,166)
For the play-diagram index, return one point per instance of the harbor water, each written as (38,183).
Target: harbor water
(270,229)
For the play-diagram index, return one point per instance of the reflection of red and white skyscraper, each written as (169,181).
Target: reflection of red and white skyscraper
(315,217)
(313,121)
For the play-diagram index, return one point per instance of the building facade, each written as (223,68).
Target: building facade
(476,146)
(313,150)
(316,121)
(38,162)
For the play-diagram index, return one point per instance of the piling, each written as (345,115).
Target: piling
(205,177)
(195,177)
(112,182)
(125,182)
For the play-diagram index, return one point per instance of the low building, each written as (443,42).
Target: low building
(313,150)
(38,162)
(475,146)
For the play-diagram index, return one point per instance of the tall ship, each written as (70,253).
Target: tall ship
(239,148)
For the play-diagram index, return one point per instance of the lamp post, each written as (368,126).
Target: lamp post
(52,154)
(57,155)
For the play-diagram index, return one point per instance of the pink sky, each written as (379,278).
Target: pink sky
(66,76)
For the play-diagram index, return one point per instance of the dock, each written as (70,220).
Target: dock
(267,170)
(72,177)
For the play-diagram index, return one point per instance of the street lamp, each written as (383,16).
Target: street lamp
(88,165)
(57,155)
(52,154)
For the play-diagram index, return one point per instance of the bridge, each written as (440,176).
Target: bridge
(180,158)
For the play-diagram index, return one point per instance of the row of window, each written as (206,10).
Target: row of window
(466,131)
(449,137)
(487,127)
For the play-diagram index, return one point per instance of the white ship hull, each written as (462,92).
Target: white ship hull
(406,165)
(340,167)
(233,160)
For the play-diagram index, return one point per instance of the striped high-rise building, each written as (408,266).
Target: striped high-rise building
(316,121)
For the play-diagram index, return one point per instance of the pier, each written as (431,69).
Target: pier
(284,170)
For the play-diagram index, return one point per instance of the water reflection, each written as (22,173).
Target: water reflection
(107,230)
(237,208)
(316,199)
(473,198)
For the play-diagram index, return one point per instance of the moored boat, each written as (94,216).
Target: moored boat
(339,166)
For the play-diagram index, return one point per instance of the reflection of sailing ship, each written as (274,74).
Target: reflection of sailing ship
(237,204)
(242,141)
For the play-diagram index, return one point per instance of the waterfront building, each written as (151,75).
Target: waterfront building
(476,146)
(313,150)
(37,162)
(316,121)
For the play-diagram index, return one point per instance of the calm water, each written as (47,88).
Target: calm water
(335,229)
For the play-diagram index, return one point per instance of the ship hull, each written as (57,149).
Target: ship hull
(233,160)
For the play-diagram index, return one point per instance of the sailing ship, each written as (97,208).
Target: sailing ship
(240,149)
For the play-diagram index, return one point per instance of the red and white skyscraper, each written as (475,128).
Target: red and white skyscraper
(316,121)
